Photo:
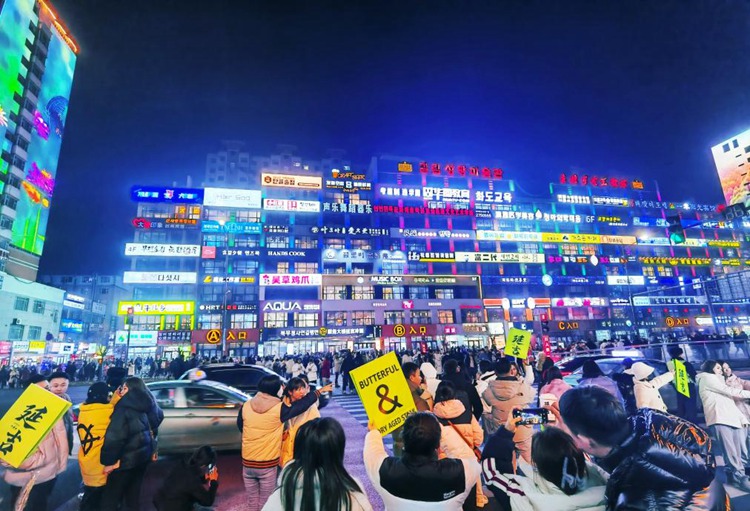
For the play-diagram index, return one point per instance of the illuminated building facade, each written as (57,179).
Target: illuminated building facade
(408,253)
(37,60)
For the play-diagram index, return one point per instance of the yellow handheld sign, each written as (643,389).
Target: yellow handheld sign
(518,343)
(384,392)
(681,379)
(27,423)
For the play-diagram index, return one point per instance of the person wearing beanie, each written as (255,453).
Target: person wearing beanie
(58,385)
(93,420)
(647,389)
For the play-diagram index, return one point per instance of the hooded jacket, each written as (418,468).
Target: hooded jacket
(430,377)
(261,421)
(93,421)
(736,382)
(647,393)
(664,463)
(503,395)
(131,434)
(49,459)
(454,440)
(718,398)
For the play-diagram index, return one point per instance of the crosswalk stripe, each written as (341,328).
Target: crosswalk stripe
(353,405)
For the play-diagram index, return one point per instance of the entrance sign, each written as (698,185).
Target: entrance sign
(518,343)
(27,422)
(384,392)
(681,379)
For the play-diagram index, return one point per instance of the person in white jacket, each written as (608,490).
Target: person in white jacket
(419,481)
(312,372)
(430,377)
(729,424)
(647,391)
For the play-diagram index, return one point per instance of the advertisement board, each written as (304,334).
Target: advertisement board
(156,308)
(138,338)
(332,255)
(499,257)
(409,330)
(432,233)
(212,226)
(71,325)
(231,198)
(729,157)
(623,280)
(285,279)
(163,194)
(295,206)
(162,250)
(291,181)
(159,277)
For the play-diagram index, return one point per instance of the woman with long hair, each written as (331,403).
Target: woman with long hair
(316,480)
(129,444)
(295,389)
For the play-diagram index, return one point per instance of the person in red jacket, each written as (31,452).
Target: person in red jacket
(325,370)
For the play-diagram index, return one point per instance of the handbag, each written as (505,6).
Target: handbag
(474,448)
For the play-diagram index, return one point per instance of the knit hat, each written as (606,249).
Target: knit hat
(98,393)
(640,371)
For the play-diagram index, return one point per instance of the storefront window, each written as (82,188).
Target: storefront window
(282,267)
(362,244)
(305,242)
(420,317)
(393,293)
(444,294)
(244,321)
(446,317)
(275,320)
(419,292)
(333,243)
(334,293)
(302,319)
(277,241)
(337,318)
(393,317)
(305,267)
(363,293)
(209,321)
(363,318)
(472,316)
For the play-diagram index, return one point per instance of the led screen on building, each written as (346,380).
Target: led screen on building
(730,158)
(37,188)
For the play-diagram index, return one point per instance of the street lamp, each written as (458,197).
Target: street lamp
(227,291)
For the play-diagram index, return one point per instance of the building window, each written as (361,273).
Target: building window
(282,267)
(305,242)
(362,244)
(393,293)
(246,241)
(22,304)
(446,317)
(337,243)
(419,292)
(15,333)
(472,316)
(444,294)
(334,293)
(305,267)
(393,317)
(35,333)
(275,320)
(208,321)
(420,317)
(245,267)
(528,248)
(363,293)
(649,272)
(665,271)
(336,318)
(38,307)
(244,321)
(363,318)
(392,267)
(244,294)
(6,222)
(301,319)
(277,241)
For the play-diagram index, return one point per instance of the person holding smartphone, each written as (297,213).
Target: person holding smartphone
(192,481)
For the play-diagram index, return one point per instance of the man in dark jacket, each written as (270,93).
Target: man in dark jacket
(452,373)
(192,481)
(347,365)
(656,461)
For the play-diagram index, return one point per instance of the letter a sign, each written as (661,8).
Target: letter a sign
(384,392)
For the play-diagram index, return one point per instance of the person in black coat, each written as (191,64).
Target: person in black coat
(192,481)
(467,392)
(129,444)
(347,365)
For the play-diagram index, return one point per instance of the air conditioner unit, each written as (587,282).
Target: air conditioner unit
(16,321)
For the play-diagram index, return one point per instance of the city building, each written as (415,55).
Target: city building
(37,60)
(89,314)
(732,159)
(409,253)
(30,321)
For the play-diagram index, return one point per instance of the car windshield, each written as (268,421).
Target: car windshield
(235,376)
(227,389)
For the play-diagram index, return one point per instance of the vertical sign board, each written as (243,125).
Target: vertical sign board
(27,422)
(518,343)
(384,392)
(681,380)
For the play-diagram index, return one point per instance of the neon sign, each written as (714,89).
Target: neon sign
(597,181)
(451,170)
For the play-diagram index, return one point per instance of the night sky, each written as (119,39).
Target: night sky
(638,89)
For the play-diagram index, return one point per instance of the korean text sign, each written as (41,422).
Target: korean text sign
(518,343)
(384,392)
(27,423)
(681,379)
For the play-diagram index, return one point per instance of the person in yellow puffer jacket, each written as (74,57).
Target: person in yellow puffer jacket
(93,421)
(295,389)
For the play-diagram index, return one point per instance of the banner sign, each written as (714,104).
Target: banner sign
(499,257)
(155,308)
(162,250)
(138,338)
(231,198)
(384,392)
(212,226)
(409,330)
(161,194)
(681,379)
(518,343)
(27,422)
(295,206)
(361,256)
(159,277)
(69,325)
(291,181)
(356,231)
(432,233)
(285,279)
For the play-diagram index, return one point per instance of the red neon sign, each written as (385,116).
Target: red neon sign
(451,170)
(597,181)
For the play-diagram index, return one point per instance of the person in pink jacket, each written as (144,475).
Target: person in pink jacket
(555,383)
(49,460)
